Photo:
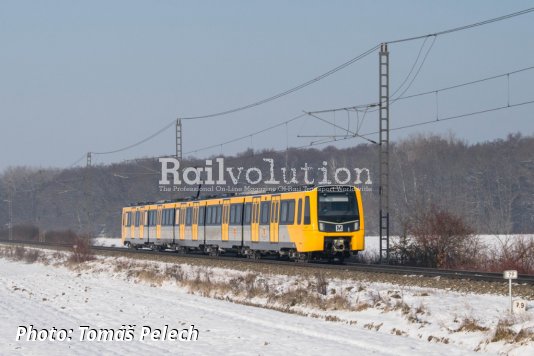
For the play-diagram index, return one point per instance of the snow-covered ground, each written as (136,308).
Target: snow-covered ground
(47,297)
(383,318)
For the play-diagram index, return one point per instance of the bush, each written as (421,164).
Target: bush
(437,238)
(82,250)
(516,253)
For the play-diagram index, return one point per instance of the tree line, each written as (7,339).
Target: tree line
(490,184)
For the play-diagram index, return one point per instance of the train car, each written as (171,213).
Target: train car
(325,222)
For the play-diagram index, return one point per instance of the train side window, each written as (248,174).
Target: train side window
(232,214)
(238,214)
(208,215)
(236,210)
(265,212)
(247,213)
(129,219)
(136,218)
(218,214)
(290,212)
(188,217)
(307,219)
(201,215)
(283,212)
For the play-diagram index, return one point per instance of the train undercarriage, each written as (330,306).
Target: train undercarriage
(336,250)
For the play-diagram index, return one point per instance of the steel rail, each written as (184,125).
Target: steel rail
(347,266)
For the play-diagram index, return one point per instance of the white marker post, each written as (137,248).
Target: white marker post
(510,274)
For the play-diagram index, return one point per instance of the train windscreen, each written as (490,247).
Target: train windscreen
(337,206)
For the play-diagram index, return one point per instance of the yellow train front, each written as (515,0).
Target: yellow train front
(326,222)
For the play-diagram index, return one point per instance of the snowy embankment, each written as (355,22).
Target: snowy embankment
(309,315)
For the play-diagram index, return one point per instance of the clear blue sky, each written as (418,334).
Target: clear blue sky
(98,75)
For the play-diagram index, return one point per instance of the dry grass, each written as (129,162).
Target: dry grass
(362,306)
(471,325)
(503,331)
(20,253)
(398,332)
(82,250)
(321,283)
(524,335)
(404,308)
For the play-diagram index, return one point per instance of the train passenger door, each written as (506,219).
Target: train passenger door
(124,224)
(132,224)
(158,222)
(142,215)
(225,219)
(195,222)
(176,224)
(137,221)
(275,216)
(255,221)
(182,222)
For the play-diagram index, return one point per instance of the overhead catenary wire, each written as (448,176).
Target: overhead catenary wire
(370,105)
(393,99)
(364,108)
(289,91)
(434,121)
(250,135)
(316,79)
(347,138)
(357,58)
(465,27)
(138,142)
(412,68)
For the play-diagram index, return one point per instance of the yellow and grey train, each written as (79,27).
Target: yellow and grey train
(324,222)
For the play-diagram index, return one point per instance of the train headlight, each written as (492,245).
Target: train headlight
(321,226)
(356,226)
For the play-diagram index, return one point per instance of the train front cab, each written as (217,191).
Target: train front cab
(333,234)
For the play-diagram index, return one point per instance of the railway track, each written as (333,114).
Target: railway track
(347,266)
